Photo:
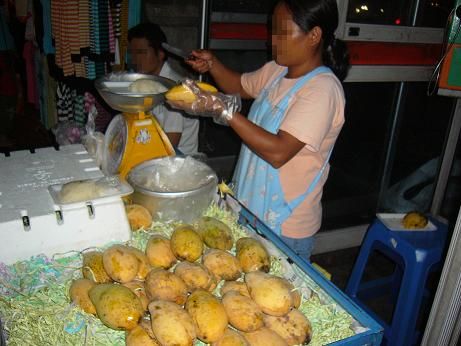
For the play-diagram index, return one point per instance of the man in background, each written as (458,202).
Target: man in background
(147,56)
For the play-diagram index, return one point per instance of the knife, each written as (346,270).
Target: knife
(176,51)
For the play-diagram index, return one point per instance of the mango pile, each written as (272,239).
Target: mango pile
(199,284)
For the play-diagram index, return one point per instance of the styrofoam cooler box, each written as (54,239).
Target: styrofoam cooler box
(31,223)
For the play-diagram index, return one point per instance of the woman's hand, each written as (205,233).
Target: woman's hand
(208,104)
(201,60)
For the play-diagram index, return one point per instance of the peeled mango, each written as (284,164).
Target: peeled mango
(294,327)
(215,233)
(93,267)
(171,324)
(184,94)
(252,255)
(116,306)
(270,292)
(208,314)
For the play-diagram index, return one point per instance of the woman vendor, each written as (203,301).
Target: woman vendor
(293,123)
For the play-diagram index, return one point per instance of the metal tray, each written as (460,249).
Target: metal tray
(114,90)
(2,334)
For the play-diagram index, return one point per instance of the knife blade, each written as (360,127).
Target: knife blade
(175,51)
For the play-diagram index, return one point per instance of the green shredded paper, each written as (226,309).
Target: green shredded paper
(36,310)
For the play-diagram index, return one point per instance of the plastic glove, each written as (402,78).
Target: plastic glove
(209,104)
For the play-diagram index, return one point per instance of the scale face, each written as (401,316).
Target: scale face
(115,141)
(132,137)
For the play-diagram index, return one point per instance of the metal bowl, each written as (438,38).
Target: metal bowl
(173,188)
(114,89)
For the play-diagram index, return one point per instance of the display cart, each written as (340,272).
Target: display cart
(366,331)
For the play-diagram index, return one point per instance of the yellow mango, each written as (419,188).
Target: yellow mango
(184,94)
(116,306)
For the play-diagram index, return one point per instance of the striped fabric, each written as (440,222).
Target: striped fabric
(79,110)
(84,36)
(111,32)
(59,14)
(63,102)
(103,35)
(123,42)
(117,10)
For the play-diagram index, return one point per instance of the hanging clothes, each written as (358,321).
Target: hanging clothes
(79,109)
(83,36)
(32,89)
(48,47)
(60,15)
(63,102)
(6,40)
(123,41)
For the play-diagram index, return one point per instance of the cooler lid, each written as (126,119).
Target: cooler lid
(25,178)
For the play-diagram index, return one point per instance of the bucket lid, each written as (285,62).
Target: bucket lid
(171,175)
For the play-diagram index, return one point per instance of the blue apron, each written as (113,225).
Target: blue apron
(257,183)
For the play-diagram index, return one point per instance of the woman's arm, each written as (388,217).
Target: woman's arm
(228,80)
(276,149)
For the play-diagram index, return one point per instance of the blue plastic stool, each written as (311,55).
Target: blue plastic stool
(415,254)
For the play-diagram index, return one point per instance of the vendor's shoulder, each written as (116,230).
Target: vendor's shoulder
(265,73)
(274,67)
(326,81)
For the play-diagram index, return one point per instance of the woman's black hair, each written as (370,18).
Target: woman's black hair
(324,14)
(151,32)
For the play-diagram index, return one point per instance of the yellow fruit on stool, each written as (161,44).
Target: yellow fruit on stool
(184,94)
(414,220)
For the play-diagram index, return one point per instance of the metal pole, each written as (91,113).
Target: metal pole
(391,146)
(203,28)
(204,22)
(444,323)
(447,161)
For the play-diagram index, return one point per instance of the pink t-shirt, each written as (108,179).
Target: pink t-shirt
(315,116)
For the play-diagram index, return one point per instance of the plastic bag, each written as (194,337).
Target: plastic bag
(209,104)
(86,190)
(93,140)
(68,132)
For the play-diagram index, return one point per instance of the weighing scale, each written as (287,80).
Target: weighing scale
(133,136)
